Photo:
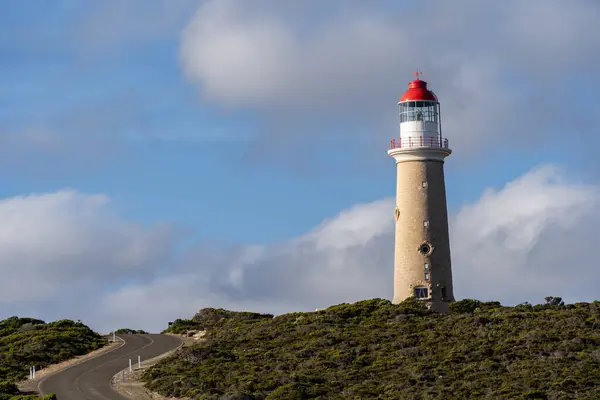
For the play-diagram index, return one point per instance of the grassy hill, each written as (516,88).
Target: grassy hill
(375,350)
(27,341)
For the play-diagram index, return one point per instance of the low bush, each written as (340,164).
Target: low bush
(375,349)
(25,342)
(127,331)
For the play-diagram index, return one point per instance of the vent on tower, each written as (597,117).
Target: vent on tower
(425,248)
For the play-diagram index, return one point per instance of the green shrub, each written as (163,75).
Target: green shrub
(209,317)
(472,305)
(8,388)
(26,341)
(127,331)
(181,326)
(554,301)
(464,306)
(375,349)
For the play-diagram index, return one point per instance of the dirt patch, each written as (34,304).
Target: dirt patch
(31,385)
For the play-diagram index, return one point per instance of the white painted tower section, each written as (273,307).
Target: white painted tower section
(422,264)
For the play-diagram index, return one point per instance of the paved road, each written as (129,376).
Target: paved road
(90,380)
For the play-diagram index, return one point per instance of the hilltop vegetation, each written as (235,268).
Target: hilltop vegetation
(182,326)
(376,350)
(127,331)
(207,318)
(26,341)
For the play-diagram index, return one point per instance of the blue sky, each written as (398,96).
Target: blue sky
(177,159)
(239,124)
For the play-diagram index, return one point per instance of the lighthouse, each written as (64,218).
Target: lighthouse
(422,266)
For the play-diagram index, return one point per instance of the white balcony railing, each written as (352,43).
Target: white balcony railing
(419,141)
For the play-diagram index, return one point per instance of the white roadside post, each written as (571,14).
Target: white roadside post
(34,372)
(130,369)
(30,372)
(139,362)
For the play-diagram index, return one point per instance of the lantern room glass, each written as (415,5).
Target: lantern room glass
(428,111)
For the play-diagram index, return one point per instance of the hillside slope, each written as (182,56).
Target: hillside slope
(26,341)
(375,350)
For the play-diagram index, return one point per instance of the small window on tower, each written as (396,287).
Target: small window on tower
(426,224)
(443,292)
(424,184)
(421,292)
(426,266)
(426,276)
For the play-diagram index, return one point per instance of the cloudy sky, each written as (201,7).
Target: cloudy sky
(160,156)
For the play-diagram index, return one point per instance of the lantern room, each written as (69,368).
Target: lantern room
(420,124)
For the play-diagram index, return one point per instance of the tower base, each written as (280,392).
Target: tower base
(440,307)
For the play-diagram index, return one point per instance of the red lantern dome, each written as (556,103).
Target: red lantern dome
(417,91)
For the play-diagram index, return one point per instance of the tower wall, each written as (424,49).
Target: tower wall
(415,205)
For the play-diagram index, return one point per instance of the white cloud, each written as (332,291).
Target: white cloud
(500,70)
(249,56)
(354,227)
(530,239)
(57,245)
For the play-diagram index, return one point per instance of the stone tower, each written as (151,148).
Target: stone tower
(422,265)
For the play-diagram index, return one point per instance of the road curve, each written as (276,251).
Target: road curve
(90,380)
